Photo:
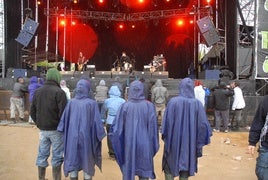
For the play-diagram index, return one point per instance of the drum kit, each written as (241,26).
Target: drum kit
(126,67)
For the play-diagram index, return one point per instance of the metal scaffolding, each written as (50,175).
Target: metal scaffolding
(140,16)
(2,39)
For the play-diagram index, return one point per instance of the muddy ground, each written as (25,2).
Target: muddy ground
(221,161)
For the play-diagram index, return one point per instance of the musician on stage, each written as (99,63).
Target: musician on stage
(154,64)
(125,60)
(81,62)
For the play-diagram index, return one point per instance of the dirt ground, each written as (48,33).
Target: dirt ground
(220,161)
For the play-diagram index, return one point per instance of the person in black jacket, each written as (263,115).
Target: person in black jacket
(222,105)
(258,133)
(47,107)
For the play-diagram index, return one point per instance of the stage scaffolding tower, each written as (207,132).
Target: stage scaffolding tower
(2,39)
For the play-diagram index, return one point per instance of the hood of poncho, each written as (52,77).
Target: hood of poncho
(82,89)
(136,91)
(186,88)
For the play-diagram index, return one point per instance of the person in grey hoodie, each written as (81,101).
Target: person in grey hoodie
(101,93)
(159,97)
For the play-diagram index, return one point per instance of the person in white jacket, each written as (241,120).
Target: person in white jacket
(238,103)
(199,92)
(65,89)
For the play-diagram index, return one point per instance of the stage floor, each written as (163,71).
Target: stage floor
(112,74)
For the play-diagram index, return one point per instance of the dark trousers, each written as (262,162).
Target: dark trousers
(168,176)
(237,116)
(222,115)
(109,143)
(142,178)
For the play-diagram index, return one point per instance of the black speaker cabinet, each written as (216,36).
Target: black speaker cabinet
(205,24)
(211,37)
(208,30)
(30,26)
(24,38)
(27,33)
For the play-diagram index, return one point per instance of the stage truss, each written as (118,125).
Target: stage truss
(140,16)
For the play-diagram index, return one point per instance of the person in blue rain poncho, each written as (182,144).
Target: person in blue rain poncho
(185,130)
(83,132)
(134,135)
(109,110)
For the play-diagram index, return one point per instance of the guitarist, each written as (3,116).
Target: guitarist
(81,62)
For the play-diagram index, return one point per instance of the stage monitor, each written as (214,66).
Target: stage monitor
(92,70)
(146,68)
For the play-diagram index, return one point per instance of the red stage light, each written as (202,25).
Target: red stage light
(208,1)
(62,22)
(191,21)
(101,1)
(133,26)
(180,23)
(75,1)
(73,23)
(121,26)
(136,4)
(38,2)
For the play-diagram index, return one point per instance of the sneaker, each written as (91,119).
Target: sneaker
(216,130)
(226,131)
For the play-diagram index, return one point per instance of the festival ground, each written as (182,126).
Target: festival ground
(221,160)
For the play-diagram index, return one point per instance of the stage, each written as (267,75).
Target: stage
(112,74)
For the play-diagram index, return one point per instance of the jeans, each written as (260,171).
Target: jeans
(262,164)
(49,139)
(74,174)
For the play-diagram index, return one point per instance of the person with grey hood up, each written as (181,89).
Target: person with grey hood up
(159,97)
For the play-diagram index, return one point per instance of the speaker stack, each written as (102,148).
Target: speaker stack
(208,30)
(27,33)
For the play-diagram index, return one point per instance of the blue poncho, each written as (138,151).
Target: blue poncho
(134,135)
(32,87)
(83,132)
(185,130)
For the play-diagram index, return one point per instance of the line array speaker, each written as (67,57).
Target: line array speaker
(27,33)
(208,30)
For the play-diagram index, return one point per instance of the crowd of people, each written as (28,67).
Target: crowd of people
(131,115)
